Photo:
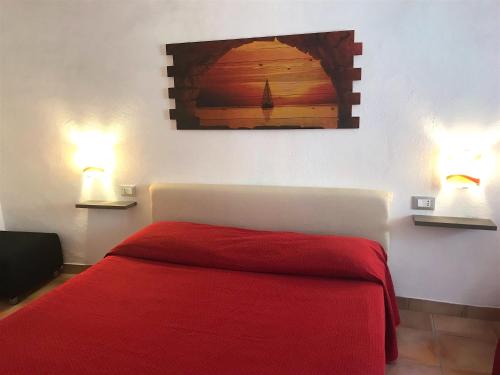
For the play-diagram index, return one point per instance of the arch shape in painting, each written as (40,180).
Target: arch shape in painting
(296,81)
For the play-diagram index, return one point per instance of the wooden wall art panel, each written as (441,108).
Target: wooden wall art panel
(281,82)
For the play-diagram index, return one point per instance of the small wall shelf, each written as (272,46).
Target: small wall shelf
(454,222)
(109,205)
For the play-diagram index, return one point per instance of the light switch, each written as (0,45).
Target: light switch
(127,190)
(423,203)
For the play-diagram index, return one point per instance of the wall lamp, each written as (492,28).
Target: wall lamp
(463,168)
(463,180)
(94,153)
(92,171)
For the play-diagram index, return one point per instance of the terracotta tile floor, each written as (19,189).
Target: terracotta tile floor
(429,344)
(444,345)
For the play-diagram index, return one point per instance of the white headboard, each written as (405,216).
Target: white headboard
(350,212)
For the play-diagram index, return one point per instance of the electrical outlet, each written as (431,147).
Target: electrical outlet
(423,203)
(127,190)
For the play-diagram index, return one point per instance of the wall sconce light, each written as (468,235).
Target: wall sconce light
(463,180)
(466,155)
(92,171)
(462,168)
(94,154)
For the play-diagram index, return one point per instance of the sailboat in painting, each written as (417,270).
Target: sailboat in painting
(267,98)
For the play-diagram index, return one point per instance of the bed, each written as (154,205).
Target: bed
(227,280)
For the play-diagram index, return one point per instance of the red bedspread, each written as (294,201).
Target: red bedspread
(204,315)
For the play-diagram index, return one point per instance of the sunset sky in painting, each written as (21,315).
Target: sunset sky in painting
(238,78)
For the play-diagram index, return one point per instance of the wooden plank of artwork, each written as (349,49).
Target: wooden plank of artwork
(353,122)
(273,51)
(273,76)
(250,123)
(267,66)
(285,88)
(173,114)
(353,98)
(357,49)
(353,74)
(235,101)
(278,112)
(171,71)
(240,117)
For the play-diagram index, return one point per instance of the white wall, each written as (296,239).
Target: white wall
(424,63)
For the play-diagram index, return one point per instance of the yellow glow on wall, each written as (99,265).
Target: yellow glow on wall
(462,167)
(466,159)
(94,151)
